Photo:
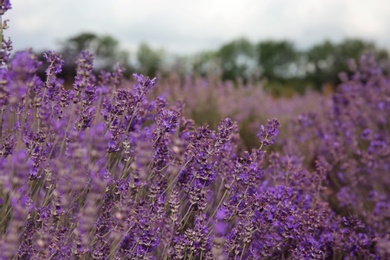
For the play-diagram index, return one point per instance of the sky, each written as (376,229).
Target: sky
(191,26)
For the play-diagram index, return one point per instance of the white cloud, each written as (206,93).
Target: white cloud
(189,26)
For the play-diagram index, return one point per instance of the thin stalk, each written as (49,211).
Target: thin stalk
(242,252)
(67,128)
(177,176)
(186,216)
(219,205)
(23,120)
(1,124)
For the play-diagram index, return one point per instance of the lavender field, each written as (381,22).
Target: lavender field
(193,168)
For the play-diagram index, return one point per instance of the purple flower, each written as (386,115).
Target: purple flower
(53,84)
(84,76)
(55,63)
(5,84)
(168,121)
(227,131)
(23,66)
(5,5)
(144,84)
(268,133)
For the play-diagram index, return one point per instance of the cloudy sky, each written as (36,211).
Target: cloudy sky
(188,26)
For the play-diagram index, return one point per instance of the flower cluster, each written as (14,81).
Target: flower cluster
(103,171)
(351,140)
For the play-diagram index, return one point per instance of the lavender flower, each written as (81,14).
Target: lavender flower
(119,174)
(268,133)
(4,88)
(55,67)
(5,5)
(84,76)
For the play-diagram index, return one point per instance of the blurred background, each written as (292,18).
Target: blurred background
(288,46)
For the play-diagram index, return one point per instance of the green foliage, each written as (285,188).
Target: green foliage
(275,57)
(205,63)
(105,49)
(238,59)
(285,69)
(327,59)
(149,60)
(287,88)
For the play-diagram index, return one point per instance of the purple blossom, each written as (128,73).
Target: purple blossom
(84,76)
(168,121)
(144,84)
(55,63)
(23,67)
(5,5)
(268,133)
(53,84)
(120,174)
(5,84)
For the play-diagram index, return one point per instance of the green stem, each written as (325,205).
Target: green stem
(177,176)
(219,205)
(184,220)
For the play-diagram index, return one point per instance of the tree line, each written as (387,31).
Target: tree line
(278,63)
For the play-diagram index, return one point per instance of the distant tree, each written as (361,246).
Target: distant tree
(206,62)
(321,59)
(84,41)
(275,59)
(149,60)
(105,48)
(326,60)
(109,53)
(238,60)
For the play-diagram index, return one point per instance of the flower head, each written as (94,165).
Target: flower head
(267,133)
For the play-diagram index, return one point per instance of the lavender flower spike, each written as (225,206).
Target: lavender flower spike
(267,133)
